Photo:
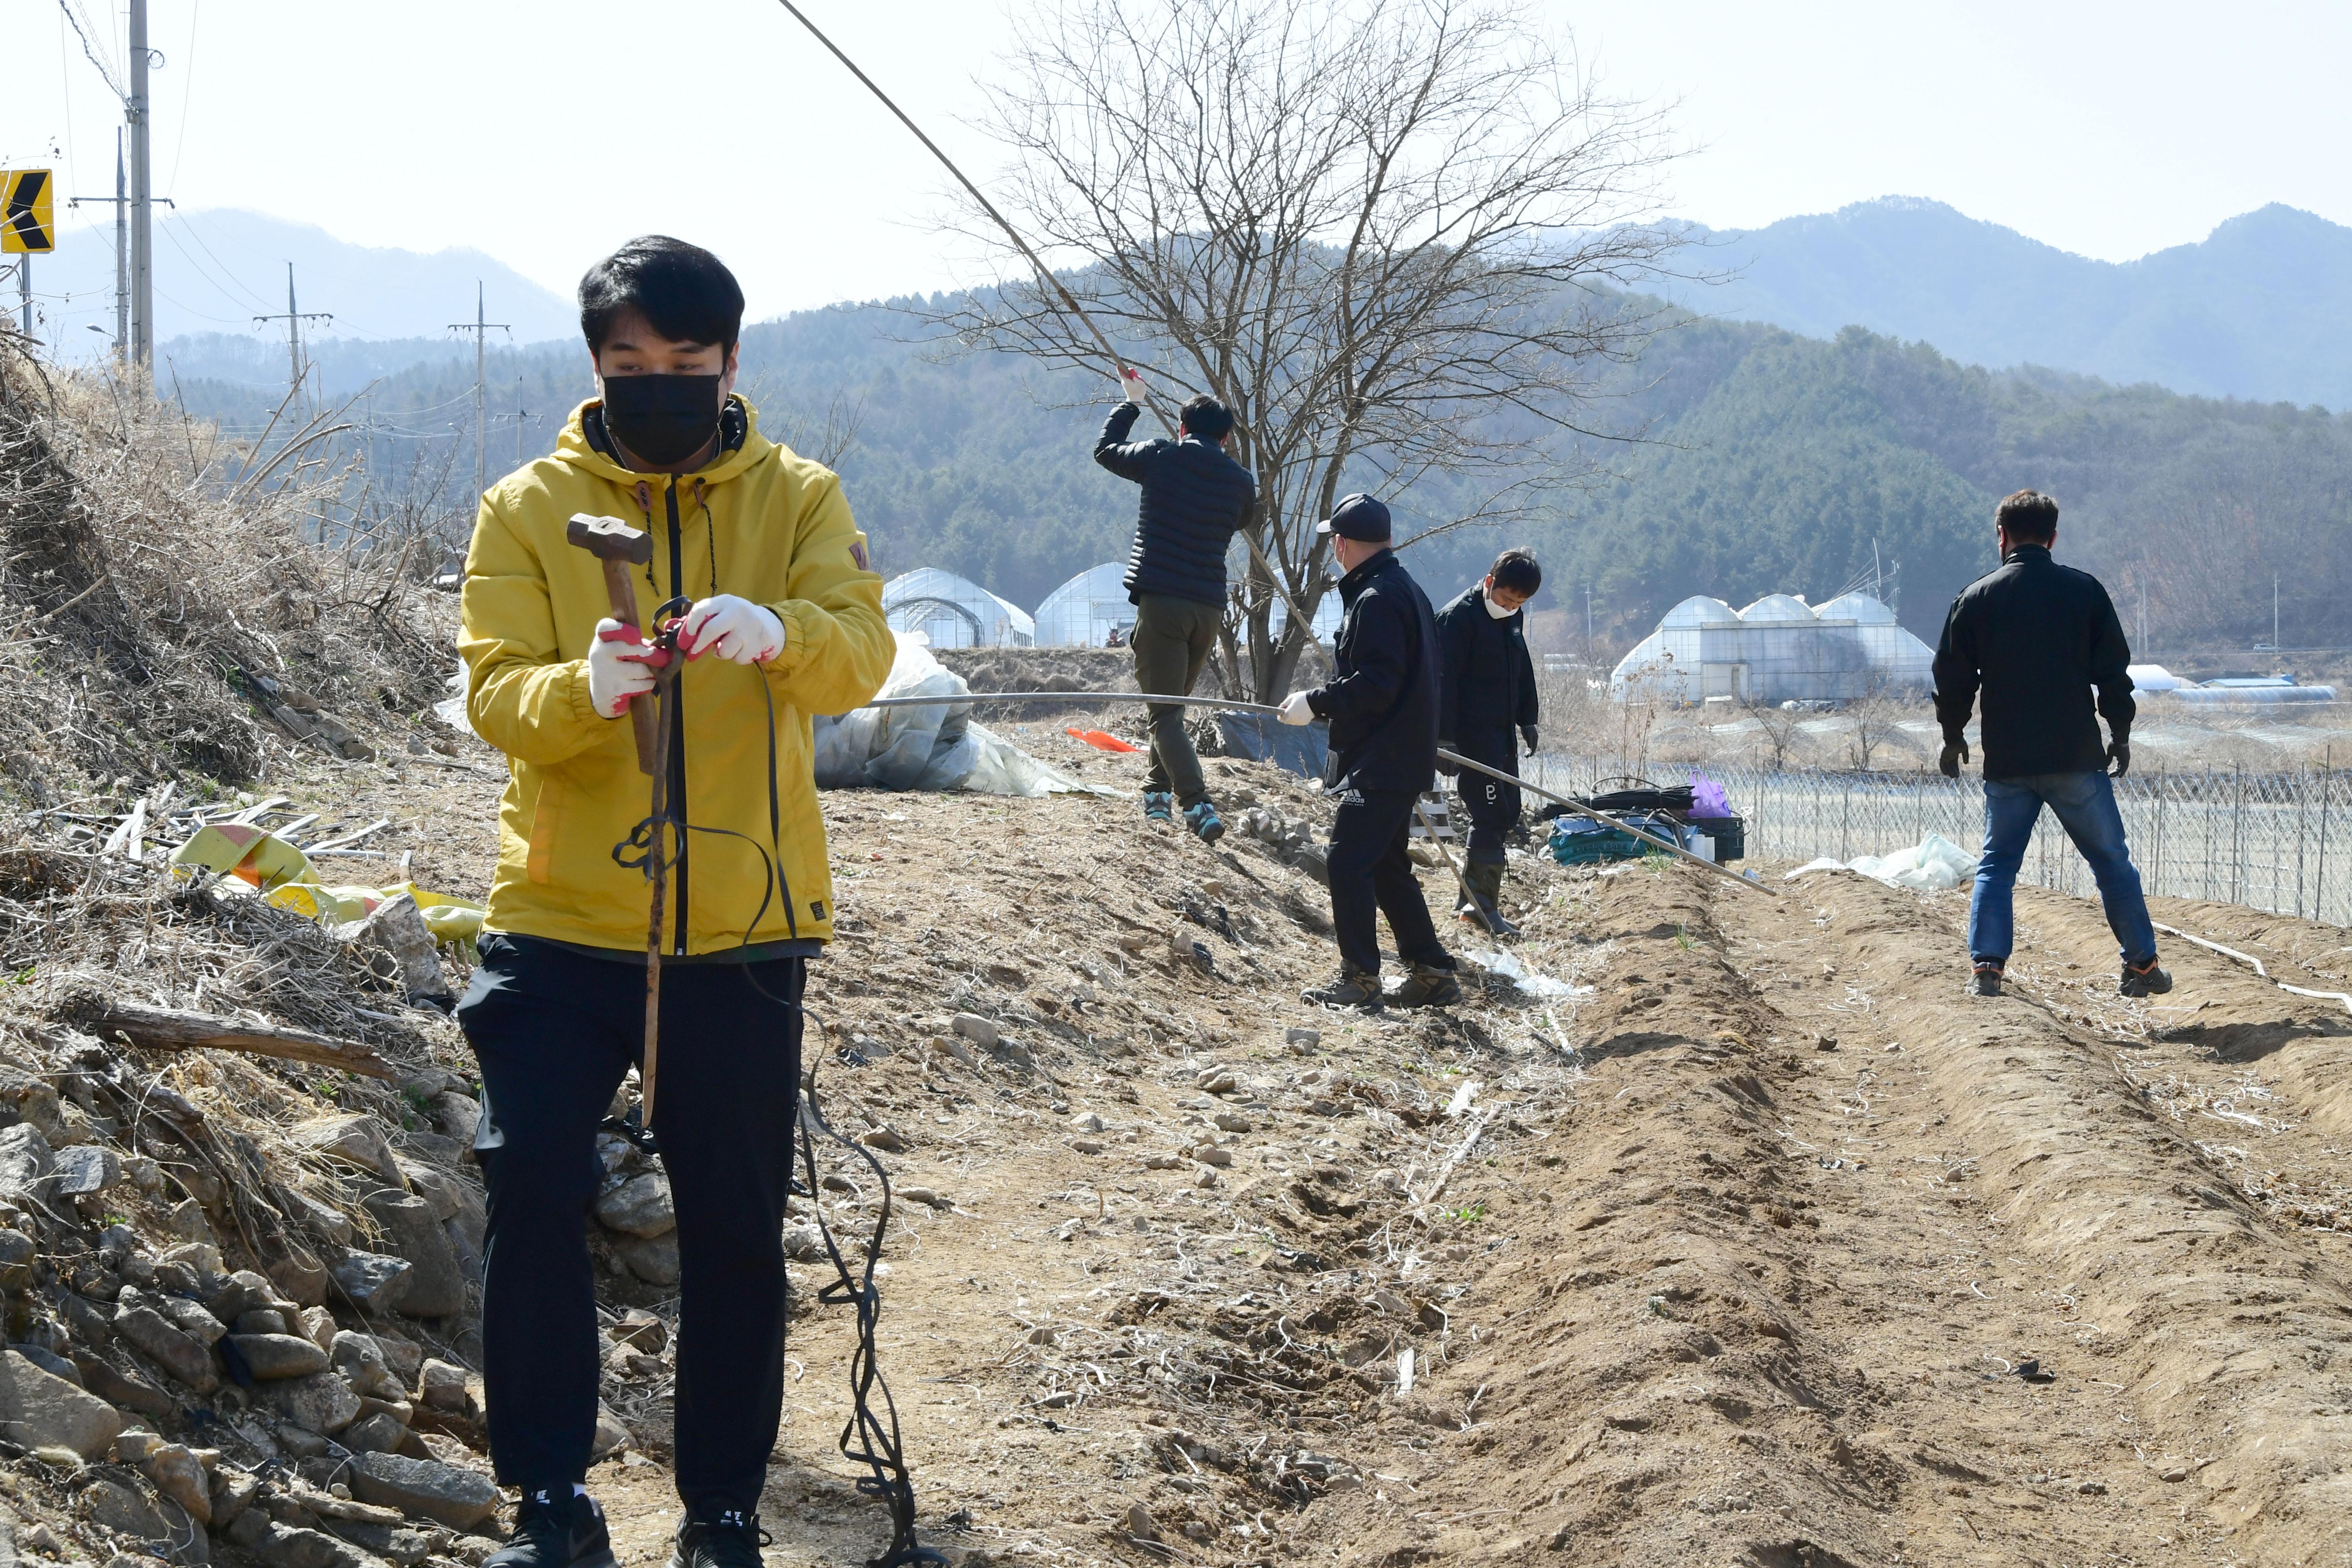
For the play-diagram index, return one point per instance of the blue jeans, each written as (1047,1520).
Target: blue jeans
(2084,805)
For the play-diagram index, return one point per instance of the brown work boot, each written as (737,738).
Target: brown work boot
(1353,988)
(1428,987)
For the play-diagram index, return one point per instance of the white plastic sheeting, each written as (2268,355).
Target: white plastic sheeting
(951,612)
(925,747)
(1932,865)
(1778,649)
(1084,611)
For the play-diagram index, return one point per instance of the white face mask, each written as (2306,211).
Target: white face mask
(1496,610)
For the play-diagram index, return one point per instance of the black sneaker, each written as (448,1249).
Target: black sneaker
(1986,981)
(1426,987)
(555,1529)
(2144,980)
(731,1539)
(1353,988)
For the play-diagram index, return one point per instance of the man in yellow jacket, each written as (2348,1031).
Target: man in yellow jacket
(786,623)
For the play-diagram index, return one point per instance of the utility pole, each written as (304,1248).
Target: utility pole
(121,200)
(481,329)
(294,318)
(142,233)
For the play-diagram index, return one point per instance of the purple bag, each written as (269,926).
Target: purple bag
(1707,798)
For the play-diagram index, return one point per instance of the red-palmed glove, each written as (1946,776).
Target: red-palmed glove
(620,666)
(731,628)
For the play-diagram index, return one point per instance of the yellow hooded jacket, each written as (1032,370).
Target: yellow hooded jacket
(758,522)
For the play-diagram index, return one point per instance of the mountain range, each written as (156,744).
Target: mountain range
(2260,309)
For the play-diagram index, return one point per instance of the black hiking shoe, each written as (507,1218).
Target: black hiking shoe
(728,1540)
(1986,981)
(555,1529)
(1426,987)
(1353,988)
(2144,980)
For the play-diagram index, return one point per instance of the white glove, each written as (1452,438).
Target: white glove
(617,668)
(1131,382)
(1294,710)
(731,628)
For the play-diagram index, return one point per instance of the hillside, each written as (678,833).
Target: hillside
(1768,461)
(2260,309)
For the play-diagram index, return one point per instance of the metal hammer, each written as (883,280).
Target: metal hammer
(617,547)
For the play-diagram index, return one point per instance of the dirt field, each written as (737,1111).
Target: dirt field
(1739,1257)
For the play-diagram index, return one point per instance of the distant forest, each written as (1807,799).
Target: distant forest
(1757,460)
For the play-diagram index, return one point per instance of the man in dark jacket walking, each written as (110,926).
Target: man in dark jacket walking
(1488,690)
(1383,705)
(1194,499)
(2035,638)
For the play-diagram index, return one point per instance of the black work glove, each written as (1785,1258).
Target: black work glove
(1528,734)
(1955,753)
(2119,754)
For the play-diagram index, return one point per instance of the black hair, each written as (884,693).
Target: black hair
(1517,571)
(1207,417)
(682,291)
(2029,517)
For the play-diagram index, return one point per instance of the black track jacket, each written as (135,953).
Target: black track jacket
(1194,497)
(1382,703)
(1488,682)
(2034,637)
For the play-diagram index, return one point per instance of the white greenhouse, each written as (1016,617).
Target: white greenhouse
(1084,611)
(954,613)
(1778,649)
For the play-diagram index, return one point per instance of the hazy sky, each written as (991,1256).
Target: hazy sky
(544,134)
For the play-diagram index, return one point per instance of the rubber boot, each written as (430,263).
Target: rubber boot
(1486,883)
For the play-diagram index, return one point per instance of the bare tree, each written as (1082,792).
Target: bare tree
(1375,229)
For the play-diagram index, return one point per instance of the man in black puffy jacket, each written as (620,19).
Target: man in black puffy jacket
(1488,690)
(2034,638)
(1194,499)
(1383,705)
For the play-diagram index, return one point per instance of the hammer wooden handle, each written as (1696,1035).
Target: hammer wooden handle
(624,596)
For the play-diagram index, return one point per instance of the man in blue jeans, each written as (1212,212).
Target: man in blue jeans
(2034,638)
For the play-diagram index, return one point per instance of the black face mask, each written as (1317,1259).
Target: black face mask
(663,419)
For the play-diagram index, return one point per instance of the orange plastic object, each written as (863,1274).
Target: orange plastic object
(1103,742)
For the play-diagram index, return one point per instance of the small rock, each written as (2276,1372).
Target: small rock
(1310,1039)
(124,1508)
(320,1403)
(442,1387)
(458,1499)
(393,1543)
(439,1189)
(612,1435)
(1086,1145)
(301,1442)
(927,1196)
(84,1168)
(273,1356)
(1011,976)
(1218,1080)
(180,1476)
(318,1325)
(183,1357)
(281,1546)
(356,1140)
(191,1319)
(239,1293)
(40,1410)
(1825,1042)
(49,1361)
(652,1258)
(1210,1154)
(260,1320)
(133,1447)
(381,1433)
(977,1029)
(1231,1121)
(90,1322)
(321,1219)
(1088,1121)
(639,1207)
(359,1358)
(885,1138)
(18,1251)
(436,1285)
(374,1283)
(955,1048)
(125,1391)
(1134,941)
(2093,1488)
(1140,1524)
(804,1242)
(232,1492)
(1207,1178)
(403,1358)
(2176,1473)
(640,1328)
(458,1115)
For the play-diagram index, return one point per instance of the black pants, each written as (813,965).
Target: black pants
(554,1031)
(1491,805)
(1371,870)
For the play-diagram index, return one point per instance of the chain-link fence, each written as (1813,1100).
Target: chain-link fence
(2276,841)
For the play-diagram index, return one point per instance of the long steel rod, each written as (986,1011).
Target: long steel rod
(1044,276)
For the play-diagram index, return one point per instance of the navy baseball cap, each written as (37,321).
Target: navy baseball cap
(1358,517)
